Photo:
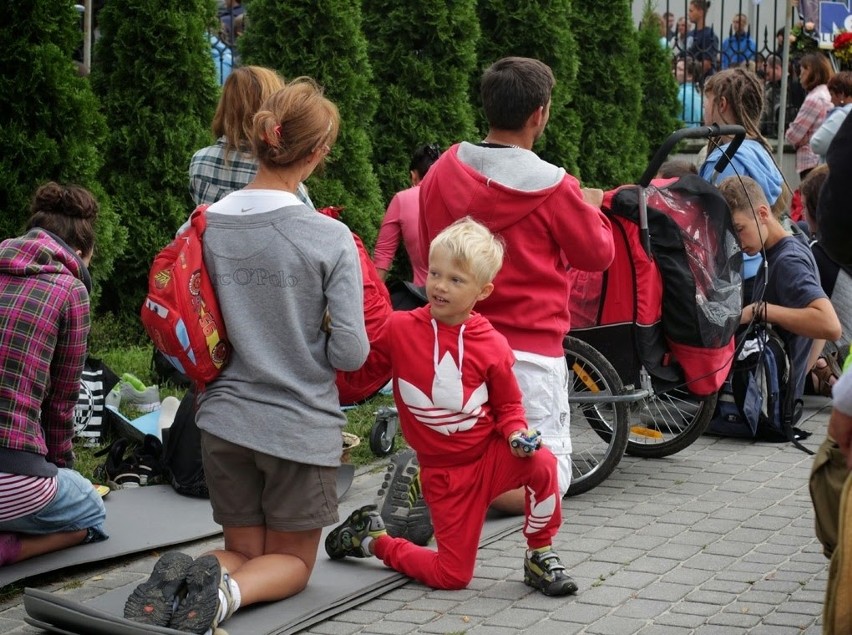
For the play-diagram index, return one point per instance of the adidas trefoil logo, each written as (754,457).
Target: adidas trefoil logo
(540,513)
(444,412)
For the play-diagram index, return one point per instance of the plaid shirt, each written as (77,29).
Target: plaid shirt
(44,323)
(211,177)
(807,122)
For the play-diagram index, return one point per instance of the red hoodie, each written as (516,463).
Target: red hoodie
(545,230)
(453,385)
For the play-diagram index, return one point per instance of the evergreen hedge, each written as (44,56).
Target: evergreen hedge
(51,126)
(612,151)
(323,40)
(539,29)
(422,55)
(153,72)
(660,104)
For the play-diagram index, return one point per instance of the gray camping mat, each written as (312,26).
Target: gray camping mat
(140,519)
(335,586)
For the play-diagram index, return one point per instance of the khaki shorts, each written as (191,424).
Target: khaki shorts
(249,488)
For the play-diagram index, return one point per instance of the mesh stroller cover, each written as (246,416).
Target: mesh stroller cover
(699,259)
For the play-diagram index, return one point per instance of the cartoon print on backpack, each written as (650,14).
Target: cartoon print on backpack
(181,313)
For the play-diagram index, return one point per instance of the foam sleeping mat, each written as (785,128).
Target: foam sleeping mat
(335,586)
(138,520)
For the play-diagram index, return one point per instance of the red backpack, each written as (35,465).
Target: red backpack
(180,312)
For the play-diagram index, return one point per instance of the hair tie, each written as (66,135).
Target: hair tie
(274,142)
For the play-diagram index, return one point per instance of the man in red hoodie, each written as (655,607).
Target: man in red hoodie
(548,224)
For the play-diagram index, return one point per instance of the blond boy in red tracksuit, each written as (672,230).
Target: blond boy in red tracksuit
(460,410)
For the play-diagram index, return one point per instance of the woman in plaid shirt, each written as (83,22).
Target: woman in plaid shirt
(815,73)
(44,322)
(229,165)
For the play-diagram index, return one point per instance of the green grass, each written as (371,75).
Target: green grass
(360,421)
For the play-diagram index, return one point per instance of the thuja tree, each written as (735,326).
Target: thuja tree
(323,40)
(612,151)
(154,74)
(422,55)
(51,126)
(660,105)
(540,29)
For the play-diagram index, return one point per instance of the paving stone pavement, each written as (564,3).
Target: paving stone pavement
(717,539)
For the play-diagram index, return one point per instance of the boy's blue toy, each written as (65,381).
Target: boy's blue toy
(530,443)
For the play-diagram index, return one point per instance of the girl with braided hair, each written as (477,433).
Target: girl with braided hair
(735,97)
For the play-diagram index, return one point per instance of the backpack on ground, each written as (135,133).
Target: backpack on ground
(757,398)
(182,451)
(180,312)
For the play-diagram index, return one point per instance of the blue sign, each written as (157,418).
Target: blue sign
(833,16)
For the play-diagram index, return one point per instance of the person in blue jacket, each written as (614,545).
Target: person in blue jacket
(735,96)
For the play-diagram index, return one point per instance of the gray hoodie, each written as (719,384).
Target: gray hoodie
(275,274)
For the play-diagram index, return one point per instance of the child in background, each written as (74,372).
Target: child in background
(690,98)
(229,164)
(460,410)
(735,96)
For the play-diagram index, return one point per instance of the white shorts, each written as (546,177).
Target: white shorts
(544,384)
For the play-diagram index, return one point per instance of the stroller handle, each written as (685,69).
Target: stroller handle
(704,132)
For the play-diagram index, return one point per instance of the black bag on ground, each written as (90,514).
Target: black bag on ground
(756,400)
(182,451)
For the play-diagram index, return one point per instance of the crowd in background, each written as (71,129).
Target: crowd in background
(699,50)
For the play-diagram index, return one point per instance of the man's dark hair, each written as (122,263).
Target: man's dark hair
(512,89)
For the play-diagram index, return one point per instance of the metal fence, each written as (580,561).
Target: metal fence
(733,33)
(760,42)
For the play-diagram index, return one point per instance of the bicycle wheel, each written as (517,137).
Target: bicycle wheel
(666,423)
(598,431)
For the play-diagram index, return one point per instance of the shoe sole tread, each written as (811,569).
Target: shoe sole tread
(401,518)
(152,601)
(196,612)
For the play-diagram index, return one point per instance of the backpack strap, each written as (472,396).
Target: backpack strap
(791,409)
(198,218)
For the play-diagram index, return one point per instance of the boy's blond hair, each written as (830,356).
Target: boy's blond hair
(472,247)
(742,194)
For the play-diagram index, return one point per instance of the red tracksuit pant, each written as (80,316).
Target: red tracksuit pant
(458,499)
